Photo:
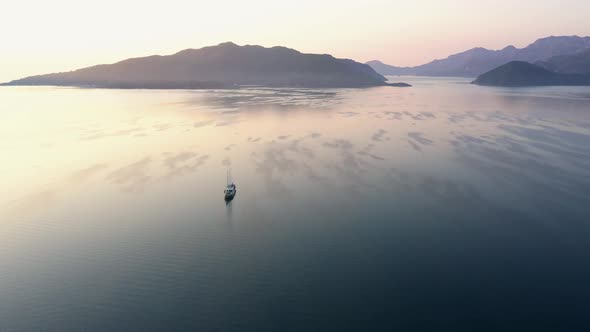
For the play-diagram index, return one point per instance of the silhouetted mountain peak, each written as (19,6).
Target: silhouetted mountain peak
(478,50)
(551,40)
(223,65)
(516,73)
(476,61)
(522,73)
(227,44)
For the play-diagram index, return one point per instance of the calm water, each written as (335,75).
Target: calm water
(445,206)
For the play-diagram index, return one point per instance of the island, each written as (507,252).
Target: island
(226,65)
(521,73)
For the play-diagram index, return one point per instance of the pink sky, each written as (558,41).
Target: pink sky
(49,36)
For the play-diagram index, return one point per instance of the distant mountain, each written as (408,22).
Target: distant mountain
(224,65)
(548,47)
(578,63)
(479,60)
(388,70)
(521,73)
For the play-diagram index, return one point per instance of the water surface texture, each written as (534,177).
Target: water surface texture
(444,206)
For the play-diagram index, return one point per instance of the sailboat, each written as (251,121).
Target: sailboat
(231,189)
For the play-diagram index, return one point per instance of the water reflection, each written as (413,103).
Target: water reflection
(183,163)
(229,214)
(352,202)
(85,174)
(263,98)
(132,177)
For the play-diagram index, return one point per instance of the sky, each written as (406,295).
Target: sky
(40,36)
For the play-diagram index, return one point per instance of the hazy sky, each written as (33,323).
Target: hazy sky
(40,36)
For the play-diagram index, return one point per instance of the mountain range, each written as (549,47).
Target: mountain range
(547,52)
(226,65)
(562,60)
(577,63)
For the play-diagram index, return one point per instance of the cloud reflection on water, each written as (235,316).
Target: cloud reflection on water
(349,137)
(374,188)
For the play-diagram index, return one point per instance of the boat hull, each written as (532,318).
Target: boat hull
(229,195)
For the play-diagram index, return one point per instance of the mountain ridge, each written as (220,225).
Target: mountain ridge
(478,60)
(577,63)
(225,65)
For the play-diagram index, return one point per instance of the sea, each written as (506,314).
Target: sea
(445,206)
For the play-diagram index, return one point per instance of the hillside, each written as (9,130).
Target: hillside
(222,66)
(476,61)
(578,63)
(520,73)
